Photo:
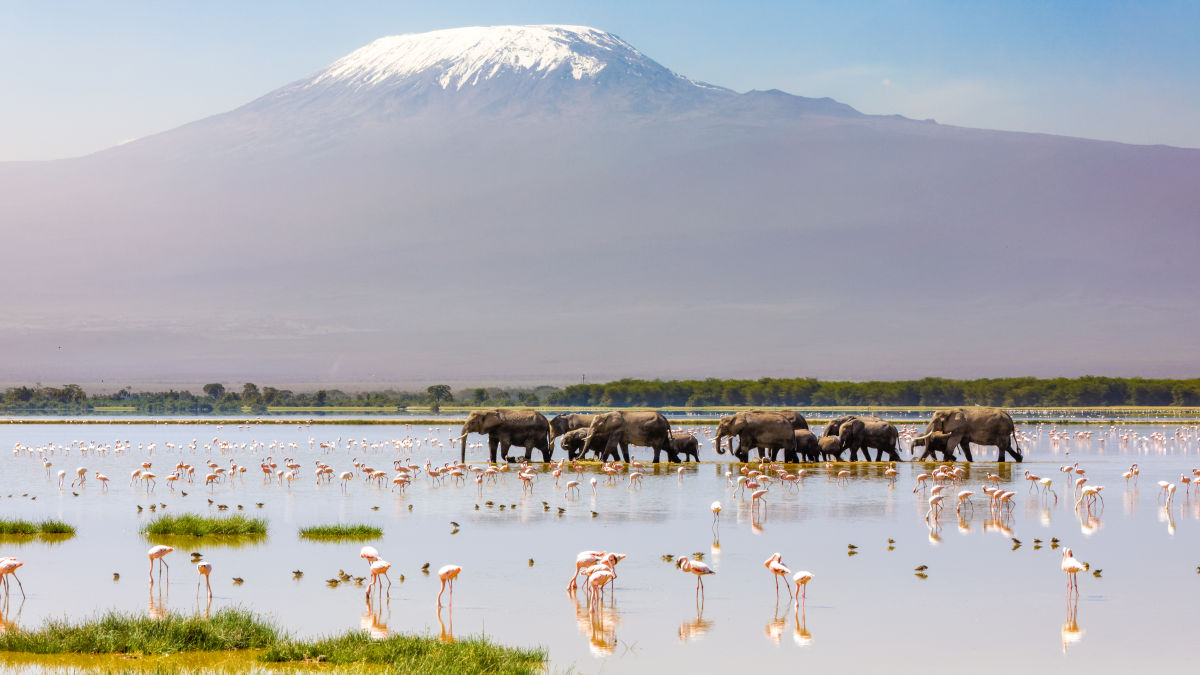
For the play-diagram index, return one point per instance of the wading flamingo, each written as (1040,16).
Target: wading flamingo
(204,568)
(448,574)
(157,553)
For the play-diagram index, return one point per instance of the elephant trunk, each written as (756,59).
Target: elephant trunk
(462,455)
(720,449)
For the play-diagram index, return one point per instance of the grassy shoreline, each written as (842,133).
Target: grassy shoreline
(260,643)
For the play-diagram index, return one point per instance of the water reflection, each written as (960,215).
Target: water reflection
(8,618)
(696,629)
(800,635)
(375,625)
(157,608)
(1071,632)
(445,629)
(598,624)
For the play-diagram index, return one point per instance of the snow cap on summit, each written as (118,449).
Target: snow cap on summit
(468,56)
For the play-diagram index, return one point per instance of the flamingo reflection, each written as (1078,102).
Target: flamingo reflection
(694,630)
(800,635)
(373,623)
(1071,632)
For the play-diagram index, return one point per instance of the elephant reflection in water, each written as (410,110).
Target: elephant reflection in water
(1071,632)
(373,623)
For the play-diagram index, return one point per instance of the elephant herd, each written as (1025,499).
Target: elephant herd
(609,435)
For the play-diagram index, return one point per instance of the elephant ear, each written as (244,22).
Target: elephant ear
(958,418)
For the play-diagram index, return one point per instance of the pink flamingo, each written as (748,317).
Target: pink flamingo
(9,566)
(778,569)
(447,574)
(157,553)
(1072,567)
(801,580)
(378,567)
(204,568)
(695,567)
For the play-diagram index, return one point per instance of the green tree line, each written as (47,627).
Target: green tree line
(1008,392)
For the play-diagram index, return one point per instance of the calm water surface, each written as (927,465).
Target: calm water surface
(982,602)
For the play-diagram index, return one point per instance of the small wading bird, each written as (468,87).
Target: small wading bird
(447,574)
(716,511)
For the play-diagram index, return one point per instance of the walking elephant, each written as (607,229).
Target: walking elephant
(808,446)
(766,431)
(685,445)
(976,424)
(506,428)
(561,424)
(875,433)
(853,434)
(622,429)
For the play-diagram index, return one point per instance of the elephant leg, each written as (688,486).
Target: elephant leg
(492,443)
(657,452)
(528,450)
(625,451)
(966,448)
(504,446)
(547,453)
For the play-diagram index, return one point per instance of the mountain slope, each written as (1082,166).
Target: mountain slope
(522,211)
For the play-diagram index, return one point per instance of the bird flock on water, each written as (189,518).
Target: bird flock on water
(945,484)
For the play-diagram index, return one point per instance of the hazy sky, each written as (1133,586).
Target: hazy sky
(81,76)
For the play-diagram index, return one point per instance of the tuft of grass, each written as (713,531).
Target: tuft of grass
(120,633)
(411,654)
(341,532)
(26,527)
(195,525)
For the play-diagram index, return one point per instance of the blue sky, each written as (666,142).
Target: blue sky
(80,76)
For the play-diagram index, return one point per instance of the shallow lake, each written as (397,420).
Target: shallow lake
(982,601)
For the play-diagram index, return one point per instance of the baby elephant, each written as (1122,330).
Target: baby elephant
(573,441)
(686,445)
(831,447)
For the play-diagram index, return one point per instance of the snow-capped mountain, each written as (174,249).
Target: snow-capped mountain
(469,56)
(544,201)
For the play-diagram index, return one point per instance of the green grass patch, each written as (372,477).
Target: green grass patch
(338,532)
(243,638)
(25,527)
(118,633)
(411,654)
(194,525)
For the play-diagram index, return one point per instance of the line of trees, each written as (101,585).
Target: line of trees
(1008,392)
(930,391)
